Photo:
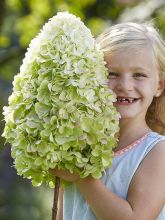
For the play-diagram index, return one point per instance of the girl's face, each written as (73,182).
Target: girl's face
(133,76)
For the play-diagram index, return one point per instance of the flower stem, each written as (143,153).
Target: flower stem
(55,200)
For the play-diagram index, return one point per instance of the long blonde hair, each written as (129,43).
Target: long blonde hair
(132,35)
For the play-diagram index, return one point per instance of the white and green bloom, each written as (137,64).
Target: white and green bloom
(61,112)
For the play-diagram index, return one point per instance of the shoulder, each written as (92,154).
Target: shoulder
(154,162)
(152,166)
(154,143)
(151,169)
(156,136)
(155,159)
(158,151)
(161,141)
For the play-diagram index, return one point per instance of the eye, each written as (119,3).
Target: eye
(112,75)
(140,75)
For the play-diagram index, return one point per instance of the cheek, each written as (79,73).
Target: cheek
(150,88)
(111,84)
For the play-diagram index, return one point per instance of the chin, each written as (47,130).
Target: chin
(127,116)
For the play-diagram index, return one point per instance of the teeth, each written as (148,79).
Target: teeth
(128,100)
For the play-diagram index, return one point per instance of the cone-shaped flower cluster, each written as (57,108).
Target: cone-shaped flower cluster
(61,112)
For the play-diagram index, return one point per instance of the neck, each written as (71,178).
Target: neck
(131,130)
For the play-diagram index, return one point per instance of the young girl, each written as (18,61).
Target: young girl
(134,187)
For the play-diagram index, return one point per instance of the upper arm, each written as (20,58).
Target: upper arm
(146,193)
(60,205)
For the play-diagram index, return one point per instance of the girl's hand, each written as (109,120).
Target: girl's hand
(65,175)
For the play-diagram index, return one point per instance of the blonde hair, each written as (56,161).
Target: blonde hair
(132,35)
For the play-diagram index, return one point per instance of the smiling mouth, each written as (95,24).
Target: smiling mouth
(126,100)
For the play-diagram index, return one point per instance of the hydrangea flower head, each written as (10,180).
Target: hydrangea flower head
(60,113)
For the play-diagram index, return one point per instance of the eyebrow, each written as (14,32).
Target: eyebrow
(132,69)
(140,69)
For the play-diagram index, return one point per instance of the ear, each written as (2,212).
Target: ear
(161,88)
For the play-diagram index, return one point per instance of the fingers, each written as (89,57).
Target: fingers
(65,175)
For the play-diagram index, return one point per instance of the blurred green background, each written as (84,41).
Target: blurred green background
(20,21)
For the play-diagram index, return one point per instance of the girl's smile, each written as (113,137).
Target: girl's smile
(125,100)
(133,76)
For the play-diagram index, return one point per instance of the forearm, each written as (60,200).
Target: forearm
(104,203)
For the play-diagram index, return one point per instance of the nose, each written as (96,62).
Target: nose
(125,83)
